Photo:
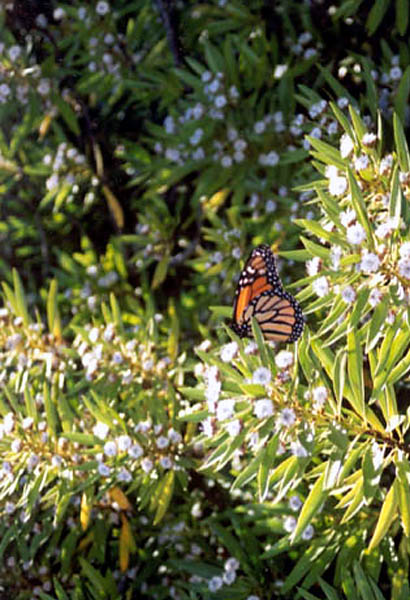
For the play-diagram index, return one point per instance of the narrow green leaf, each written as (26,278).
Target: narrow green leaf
(164,496)
(360,207)
(387,514)
(396,194)
(375,329)
(355,371)
(401,144)
(403,493)
(116,312)
(339,374)
(51,413)
(343,120)
(20,297)
(402,95)
(160,273)
(376,15)
(67,113)
(265,467)
(402,16)
(312,504)
(358,125)
(362,582)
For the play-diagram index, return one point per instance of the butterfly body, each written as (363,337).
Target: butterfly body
(260,294)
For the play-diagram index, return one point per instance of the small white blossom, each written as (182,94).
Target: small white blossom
(361,162)
(347,217)
(396,73)
(228,352)
(308,532)
(102,8)
(404,250)
(259,127)
(348,294)
(135,451)
(289,524)
(321,286)
(284,359)
(215,583)
(369,139)
(110,448)
(225,409)
(162,442)
(375,297)
(355,234)
(263,408)
(319,395)
(104,470)
(147,465)
(404,267)
(226,161)
(220,101)
(165,462)
(313,266)
(9,507)
(370,262)
(261,376)
(295,503)
(174,436)
(287,417)
(298,450)
(231,564)
(124,475)
(337,185)
(279,71)
(101,430)
(233,427)
(346,145)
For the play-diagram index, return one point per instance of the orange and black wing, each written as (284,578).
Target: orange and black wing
(260,294)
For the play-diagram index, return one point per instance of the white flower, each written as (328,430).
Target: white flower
(337,185)
(228,352)
(404,267)
(308,533)
(370,262)
(135,451)
(231,564)
(386,164)
(251,348)
(289,524)
(347,217)
(101,430)
(279,71)
(174,436)
(162,442)
(240,145)
(313,266)
(348,294)
(103,469)
(342,102)
(259,127)
(361,162)
(321,286)
(124,443)
(9,507)
(165,462)
(206,76)
(298,450)
(147,465)
(263,408)
(319,395)
(124,475)
(233,92)
(215,583)
(213,388)
(110,448)
(396,73)
(355,234)
(16,445)
(284,359)
(44,87)
(375,296)
(229,577)
(226,161)
(295,503)
(261,376)
(225,409)
(14,52)
(346,145)
(233,427)
(404,250)
(287,417)
(102,8)
(369,139)
(220,101)
(207,427)
(27,422)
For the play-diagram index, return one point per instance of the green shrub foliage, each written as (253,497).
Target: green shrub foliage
(145,450)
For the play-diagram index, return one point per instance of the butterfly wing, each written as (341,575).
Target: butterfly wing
(260,294)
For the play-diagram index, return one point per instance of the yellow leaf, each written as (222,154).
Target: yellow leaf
(117,495)
(114,206)
(217,199)
(125,544)
(85,510)
(387,514)
(44,126)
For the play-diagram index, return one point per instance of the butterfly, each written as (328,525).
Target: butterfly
(260,294)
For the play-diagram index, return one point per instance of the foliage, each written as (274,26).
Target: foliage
(146,452)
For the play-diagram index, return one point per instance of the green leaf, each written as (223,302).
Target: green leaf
(67,113)
(95,578)
(360,207)
(376,15)
(51,412)
(402,16)
(396,194)
(377,321)
(387,514)
(315,249)
(343,120)
(21,304)
(401,144)
(327,153)
(160,273)
(312,504)
(164,496)
(402,94)
(339,375)
(403,493)
(53,318)
(265,466)
(355,371)
(358,125)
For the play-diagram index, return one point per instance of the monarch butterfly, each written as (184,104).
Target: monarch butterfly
(260,294)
